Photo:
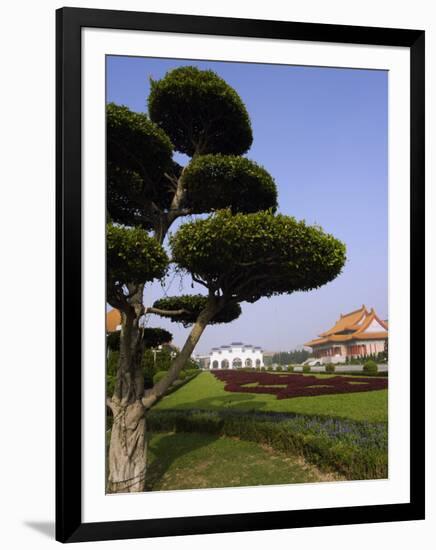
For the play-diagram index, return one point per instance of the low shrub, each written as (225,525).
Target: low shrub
(191,372)
(159,376)
(279,369)
(290,368)
(370,367)
(306,368)
(330,367)
(113,340)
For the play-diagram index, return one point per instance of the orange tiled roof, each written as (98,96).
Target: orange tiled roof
(347,321)
(371,335)
(356,323)
(113,320)
(317,342)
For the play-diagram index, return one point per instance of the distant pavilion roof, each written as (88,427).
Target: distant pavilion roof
(353,326)
(113,320)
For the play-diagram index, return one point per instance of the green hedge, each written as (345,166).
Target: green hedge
(370,367)
(159,376)
(357,450)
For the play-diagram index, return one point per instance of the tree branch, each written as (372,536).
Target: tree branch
(118,299)
(167,312)
(199,281)
(172,179)
(203,319)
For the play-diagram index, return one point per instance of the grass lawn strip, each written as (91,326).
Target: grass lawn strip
(205,392)
(357,450)
(195,461)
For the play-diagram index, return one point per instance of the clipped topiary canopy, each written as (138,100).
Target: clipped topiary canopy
(152,337)
(133,256)
(214,182)
(250,256)
(139,154)
(200,113)
(194,304)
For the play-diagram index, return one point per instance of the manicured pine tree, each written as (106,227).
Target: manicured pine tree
(241,252)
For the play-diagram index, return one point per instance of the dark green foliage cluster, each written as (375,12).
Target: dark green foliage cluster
(380,357)
(133,256)
(113,340)
(286,357)
(184,376)
(134,141)
(306,368)
(155,361)
(250,256)
(125,197)
(194,304)
(330,367)
(159,376)
(200,113)
(152,338)
(357,450)
(139,154)
(214,182)
(131,203)
(370,367)
(384,355)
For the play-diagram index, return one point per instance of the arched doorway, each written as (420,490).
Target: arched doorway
(248,363)
(215,364)
(236,363)
(224,364)
(257,362)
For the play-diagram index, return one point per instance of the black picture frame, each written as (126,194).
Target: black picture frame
(69,525)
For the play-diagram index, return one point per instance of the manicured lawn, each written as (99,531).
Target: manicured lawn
(207,393)
(195,461)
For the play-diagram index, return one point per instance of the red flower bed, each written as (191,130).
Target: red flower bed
(295,385)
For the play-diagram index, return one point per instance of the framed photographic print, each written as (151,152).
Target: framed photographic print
(240,274)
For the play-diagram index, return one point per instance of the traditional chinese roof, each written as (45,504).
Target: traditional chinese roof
(359,324)
(113,320)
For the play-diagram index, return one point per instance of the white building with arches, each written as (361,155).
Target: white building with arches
(235,356)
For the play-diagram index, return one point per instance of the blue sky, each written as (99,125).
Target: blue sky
(322,134)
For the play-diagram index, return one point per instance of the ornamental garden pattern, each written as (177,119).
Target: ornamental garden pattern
(285,386)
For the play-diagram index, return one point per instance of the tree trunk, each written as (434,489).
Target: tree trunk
(127,449)
(128,443)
